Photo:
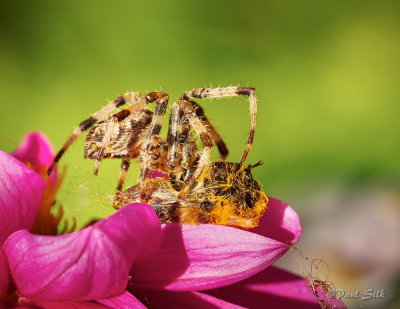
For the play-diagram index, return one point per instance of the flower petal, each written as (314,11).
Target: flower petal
(198,257)
(124,300)
(87,265)
(183,300)
(272,286)
(61,305)
(4,274)
(204,257)
(280,222)
(36,149)
(36,152)
(21,190)
(278,288)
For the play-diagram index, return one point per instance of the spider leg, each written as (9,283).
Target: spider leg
(230,92)
(124,169)
(151,152)
(190,154)
(161,99)
(175,126)
(153,156)
(182,148)
(223,150)
(200,128)
(86,124)
(112,129)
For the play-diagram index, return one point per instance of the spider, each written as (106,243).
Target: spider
(177,179)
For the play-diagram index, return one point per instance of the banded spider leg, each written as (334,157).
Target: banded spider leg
(211,93)
(122,134)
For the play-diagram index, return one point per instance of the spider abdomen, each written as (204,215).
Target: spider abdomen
(124,135)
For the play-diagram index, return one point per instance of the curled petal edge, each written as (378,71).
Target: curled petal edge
(87,265)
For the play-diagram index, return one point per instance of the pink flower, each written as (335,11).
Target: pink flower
(164,268)
(72,269)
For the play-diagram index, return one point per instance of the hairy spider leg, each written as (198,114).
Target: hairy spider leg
(153,156)
(201,130)
(153,146)
(188,148)
(222,148)
(124,169)
(182,152)
(98,116)
(183,149)
(211,93)
(161,100)
(112,127)
(175,125)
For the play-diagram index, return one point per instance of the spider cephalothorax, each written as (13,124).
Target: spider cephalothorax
(192,189)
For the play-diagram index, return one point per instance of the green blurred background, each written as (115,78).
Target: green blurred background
(326,73)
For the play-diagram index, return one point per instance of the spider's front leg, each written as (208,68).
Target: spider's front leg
(182,150)
(122,175)
(231,92)
(125,134)
(89,122)
(201,130)
(152,147)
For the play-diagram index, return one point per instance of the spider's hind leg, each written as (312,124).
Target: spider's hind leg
(231,92)
(222,148)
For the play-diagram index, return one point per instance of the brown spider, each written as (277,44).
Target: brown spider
(191,189)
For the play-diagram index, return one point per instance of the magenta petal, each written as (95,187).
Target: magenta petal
(62,305)
(4,274)
(87,265)
(272,286)
(205,256)
(36,149)
(183,300)
(279,222)
(208,256)
(124,300)
(21,191)
(275,287)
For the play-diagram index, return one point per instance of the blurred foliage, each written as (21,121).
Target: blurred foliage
(326,74)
